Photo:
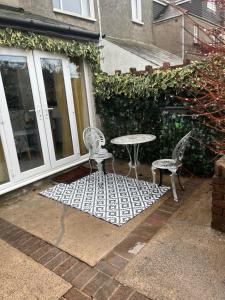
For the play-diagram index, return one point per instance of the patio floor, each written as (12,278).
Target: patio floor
(48,236)
(185,260)
(67,228)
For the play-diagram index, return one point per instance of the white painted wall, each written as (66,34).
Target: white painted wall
(114,58)
(10,2)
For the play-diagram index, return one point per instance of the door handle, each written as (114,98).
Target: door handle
(38,112)
(47,111)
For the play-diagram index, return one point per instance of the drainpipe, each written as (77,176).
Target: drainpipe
(183,37)
(100,44)
(99,22)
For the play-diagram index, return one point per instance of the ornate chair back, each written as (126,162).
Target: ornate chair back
(179,150)
(93,139)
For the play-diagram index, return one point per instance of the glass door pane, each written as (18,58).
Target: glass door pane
(20,103)
(80,101)
(4,176)
(53,76)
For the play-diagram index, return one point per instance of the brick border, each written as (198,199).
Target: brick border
(218,196)
(94,282)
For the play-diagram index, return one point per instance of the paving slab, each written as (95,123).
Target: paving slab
(185,259)
(23,278)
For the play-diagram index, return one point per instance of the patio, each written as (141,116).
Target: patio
(89,255)
(56,223)
(73,93)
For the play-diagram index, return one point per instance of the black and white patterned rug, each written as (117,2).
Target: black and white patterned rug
(113,198)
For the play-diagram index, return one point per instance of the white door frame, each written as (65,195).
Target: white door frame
(70,105)
(7,128)
(5,125)
(6,153)
(89,93)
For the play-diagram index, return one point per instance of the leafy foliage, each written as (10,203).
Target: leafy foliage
(199,159)
(130,103)
(32,41)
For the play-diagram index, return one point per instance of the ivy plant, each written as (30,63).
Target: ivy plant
(129,103)
(32,41)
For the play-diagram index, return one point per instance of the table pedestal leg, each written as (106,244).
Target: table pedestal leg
(133,163)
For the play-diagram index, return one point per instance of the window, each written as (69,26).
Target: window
(195,34)
(211,5)
(80,8)
(136,11)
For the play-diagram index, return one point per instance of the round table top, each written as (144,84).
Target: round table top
(133,139)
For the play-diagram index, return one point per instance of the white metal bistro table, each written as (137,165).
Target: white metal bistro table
(133,140)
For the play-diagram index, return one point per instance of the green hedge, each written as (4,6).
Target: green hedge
(131,103)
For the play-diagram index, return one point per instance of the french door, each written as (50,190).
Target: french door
(37,124)
(54,83)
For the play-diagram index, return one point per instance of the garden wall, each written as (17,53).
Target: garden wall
(218,196)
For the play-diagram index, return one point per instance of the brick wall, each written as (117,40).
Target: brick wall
(218,196)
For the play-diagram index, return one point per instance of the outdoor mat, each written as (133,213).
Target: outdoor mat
(113,198)
(72,175)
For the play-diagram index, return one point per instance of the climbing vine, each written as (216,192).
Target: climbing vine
(134,86)
(32,41)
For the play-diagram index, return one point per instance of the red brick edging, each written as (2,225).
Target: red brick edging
(218,196)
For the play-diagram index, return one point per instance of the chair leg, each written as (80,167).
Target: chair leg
(173,175)
(103,167)
(99,166)
(161,177)
(178,177)
(90,164)
(153,176)
(113,160)
(100,173)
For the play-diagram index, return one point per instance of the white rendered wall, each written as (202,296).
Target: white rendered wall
(114,58)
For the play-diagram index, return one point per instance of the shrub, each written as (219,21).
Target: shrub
(130,103)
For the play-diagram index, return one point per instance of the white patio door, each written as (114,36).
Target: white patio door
(21,115)
(38,118)
(53,75)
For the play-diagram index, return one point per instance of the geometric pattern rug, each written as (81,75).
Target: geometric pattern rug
(113,198)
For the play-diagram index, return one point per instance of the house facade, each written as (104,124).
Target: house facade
(129,43)
(179,27)
(46,97)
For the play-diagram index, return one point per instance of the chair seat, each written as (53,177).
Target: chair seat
(102,155)
(166,164)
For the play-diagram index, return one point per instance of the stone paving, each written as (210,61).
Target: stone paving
(98,282)
(186,259)
(22,278)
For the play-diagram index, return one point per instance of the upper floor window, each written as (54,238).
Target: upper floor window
(211,5)
(80,8)
(136,11)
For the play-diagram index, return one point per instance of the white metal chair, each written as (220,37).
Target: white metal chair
(172,164)
(94,140)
